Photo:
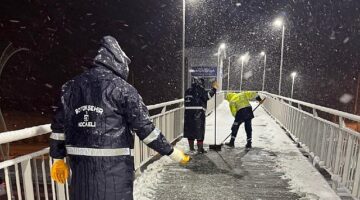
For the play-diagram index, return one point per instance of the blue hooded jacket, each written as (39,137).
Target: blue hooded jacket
(94,127)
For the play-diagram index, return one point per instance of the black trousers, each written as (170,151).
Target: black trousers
(235,127)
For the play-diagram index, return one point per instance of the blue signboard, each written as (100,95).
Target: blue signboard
(203,71)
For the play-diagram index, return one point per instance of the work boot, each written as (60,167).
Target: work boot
(248,145)
(191,145)
(201,148)
(231,143)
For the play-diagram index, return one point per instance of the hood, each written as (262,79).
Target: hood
(198,82)
(113,57)
(230,96)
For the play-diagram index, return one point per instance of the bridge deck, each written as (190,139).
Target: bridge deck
(273,169)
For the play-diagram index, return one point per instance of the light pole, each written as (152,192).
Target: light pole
(183,53)
(293,75)
(279,23)
(221,49)
(242,70)
(228,82)
(263,54)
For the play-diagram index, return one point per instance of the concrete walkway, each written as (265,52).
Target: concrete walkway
(229,174)
(273,169)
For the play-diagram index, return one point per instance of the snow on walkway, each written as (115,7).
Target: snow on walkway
(303,178)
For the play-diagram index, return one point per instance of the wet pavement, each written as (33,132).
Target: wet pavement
(229,174)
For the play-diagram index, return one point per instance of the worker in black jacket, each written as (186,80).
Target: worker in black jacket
(196,98)
(93,127)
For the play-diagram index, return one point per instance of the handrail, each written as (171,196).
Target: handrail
(333,146)
(317,107)
(24,170)
(8,163)
(160,105)
(12,136)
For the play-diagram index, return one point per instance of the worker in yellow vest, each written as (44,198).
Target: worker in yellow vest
(242,111)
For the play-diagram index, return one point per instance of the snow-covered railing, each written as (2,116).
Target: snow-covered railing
(27,177)
(334,146)
(169,121)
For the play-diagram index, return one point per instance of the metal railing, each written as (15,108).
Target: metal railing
(335,146)
(27,177)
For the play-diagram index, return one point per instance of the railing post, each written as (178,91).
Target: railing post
(36,179)
(163,121)
(345,177)
(44,178)
(323,143)
(315,114)
(330,147)
(27,180)
(338,152)
(341,123)
(8,183)
(356,186)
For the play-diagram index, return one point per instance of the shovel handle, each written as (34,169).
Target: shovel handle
(215,120)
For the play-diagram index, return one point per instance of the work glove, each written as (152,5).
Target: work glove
(179,156)
(215,85)
(60,171)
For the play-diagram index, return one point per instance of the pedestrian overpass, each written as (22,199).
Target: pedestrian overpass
(298,153)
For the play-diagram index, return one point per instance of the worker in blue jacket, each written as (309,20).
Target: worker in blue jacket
(196,98)
(93,127)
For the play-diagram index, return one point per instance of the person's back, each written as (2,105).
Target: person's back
(240,100)
(91,98)
(196,98)
(93,127)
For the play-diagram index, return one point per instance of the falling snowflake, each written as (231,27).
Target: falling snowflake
(332,36)
(346,98)
(248,74)
(48,85)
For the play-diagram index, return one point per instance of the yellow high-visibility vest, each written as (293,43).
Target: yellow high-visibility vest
(240,100)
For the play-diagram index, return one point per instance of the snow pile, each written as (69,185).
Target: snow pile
(145,185)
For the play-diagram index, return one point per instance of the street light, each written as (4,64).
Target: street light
(263,54)
(280,23)
(228,82)
(221,49)
(242,70)
(222,46)
(183,51)
(293,75)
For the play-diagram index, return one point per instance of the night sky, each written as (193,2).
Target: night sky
(322,43)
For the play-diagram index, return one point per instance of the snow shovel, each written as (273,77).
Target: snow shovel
(230,133)
(215,147)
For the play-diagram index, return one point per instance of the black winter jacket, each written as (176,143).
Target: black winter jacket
(196,99)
